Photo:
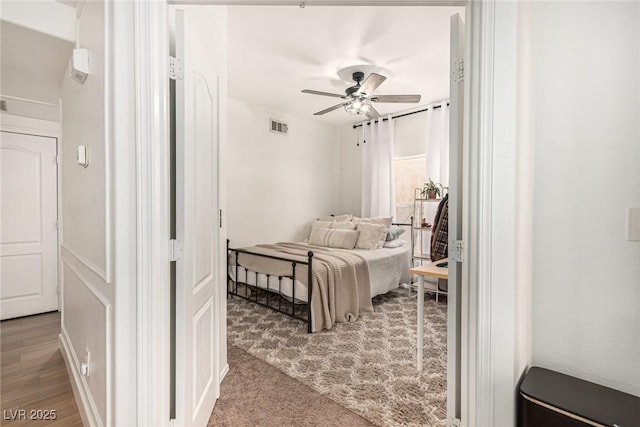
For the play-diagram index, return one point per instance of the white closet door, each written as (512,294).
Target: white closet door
(456,122)
(197,142)
(28,234)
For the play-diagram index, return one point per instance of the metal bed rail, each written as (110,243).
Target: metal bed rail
(233,289)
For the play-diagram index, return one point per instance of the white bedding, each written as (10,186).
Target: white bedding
(388,267)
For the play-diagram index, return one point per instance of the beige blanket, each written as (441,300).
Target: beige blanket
(341,289)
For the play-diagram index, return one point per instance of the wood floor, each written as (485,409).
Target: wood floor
(33,376)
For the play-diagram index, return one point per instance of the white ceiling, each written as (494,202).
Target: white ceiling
(46,16)
(275,52)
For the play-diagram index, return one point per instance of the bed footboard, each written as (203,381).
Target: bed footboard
(268,296)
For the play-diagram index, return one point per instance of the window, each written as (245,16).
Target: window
(409,174)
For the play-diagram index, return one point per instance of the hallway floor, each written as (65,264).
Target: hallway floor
(33,377)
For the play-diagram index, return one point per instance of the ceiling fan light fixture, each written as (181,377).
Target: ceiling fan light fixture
(357,106)
(351,108)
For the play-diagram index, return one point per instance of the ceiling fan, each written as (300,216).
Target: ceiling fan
(359,98)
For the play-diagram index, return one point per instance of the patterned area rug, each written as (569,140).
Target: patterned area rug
(367,366)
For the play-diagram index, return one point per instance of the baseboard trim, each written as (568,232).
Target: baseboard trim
(224,372)
(86,407)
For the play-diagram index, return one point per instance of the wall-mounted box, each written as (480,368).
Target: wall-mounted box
(79,69)
(82,158)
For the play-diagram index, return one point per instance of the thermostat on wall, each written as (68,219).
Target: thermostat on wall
(80,65)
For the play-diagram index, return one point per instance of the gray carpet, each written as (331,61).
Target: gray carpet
(367,366)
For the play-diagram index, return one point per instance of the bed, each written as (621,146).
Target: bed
(343,280)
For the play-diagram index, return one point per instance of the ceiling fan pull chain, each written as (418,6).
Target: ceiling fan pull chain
(364,123)
(364,141)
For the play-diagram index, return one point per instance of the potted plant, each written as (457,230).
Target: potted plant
(431,190)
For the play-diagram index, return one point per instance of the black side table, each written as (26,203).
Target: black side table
(549,399)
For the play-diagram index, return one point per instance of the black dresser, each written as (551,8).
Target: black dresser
(551,399)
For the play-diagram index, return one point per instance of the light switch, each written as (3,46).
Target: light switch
(634,224)
(81,156)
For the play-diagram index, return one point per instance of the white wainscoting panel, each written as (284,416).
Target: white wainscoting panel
(202,363)
(87,325)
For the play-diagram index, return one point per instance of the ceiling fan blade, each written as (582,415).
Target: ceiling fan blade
(335,107)
(372,113)
(371,83)
(317,92)
(396,98)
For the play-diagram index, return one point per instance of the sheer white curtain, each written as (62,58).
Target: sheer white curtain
(378,195)
(437,149)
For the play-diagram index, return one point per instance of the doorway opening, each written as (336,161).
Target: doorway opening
(254,160)
(29,284)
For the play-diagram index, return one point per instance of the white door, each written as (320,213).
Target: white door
(197,142)
(28,235)
(456,108)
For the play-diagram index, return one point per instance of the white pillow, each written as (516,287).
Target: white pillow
(343,239)
(344,225)
(343,217)
(393,243)
(371,235)
(319,224)
(385,221)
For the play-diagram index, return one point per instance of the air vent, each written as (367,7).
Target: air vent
(279,127)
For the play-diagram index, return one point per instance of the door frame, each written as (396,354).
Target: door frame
(49,129)
(479,388)
(151,82)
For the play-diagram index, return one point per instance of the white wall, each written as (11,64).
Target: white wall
(350,169)
(87,294)
(278,184)
(586,277)
(92,282)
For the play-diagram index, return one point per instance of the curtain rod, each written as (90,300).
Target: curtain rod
(402,115)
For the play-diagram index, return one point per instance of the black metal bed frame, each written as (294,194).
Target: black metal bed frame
(232,285)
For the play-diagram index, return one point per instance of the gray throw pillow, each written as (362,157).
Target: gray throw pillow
(394,232)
